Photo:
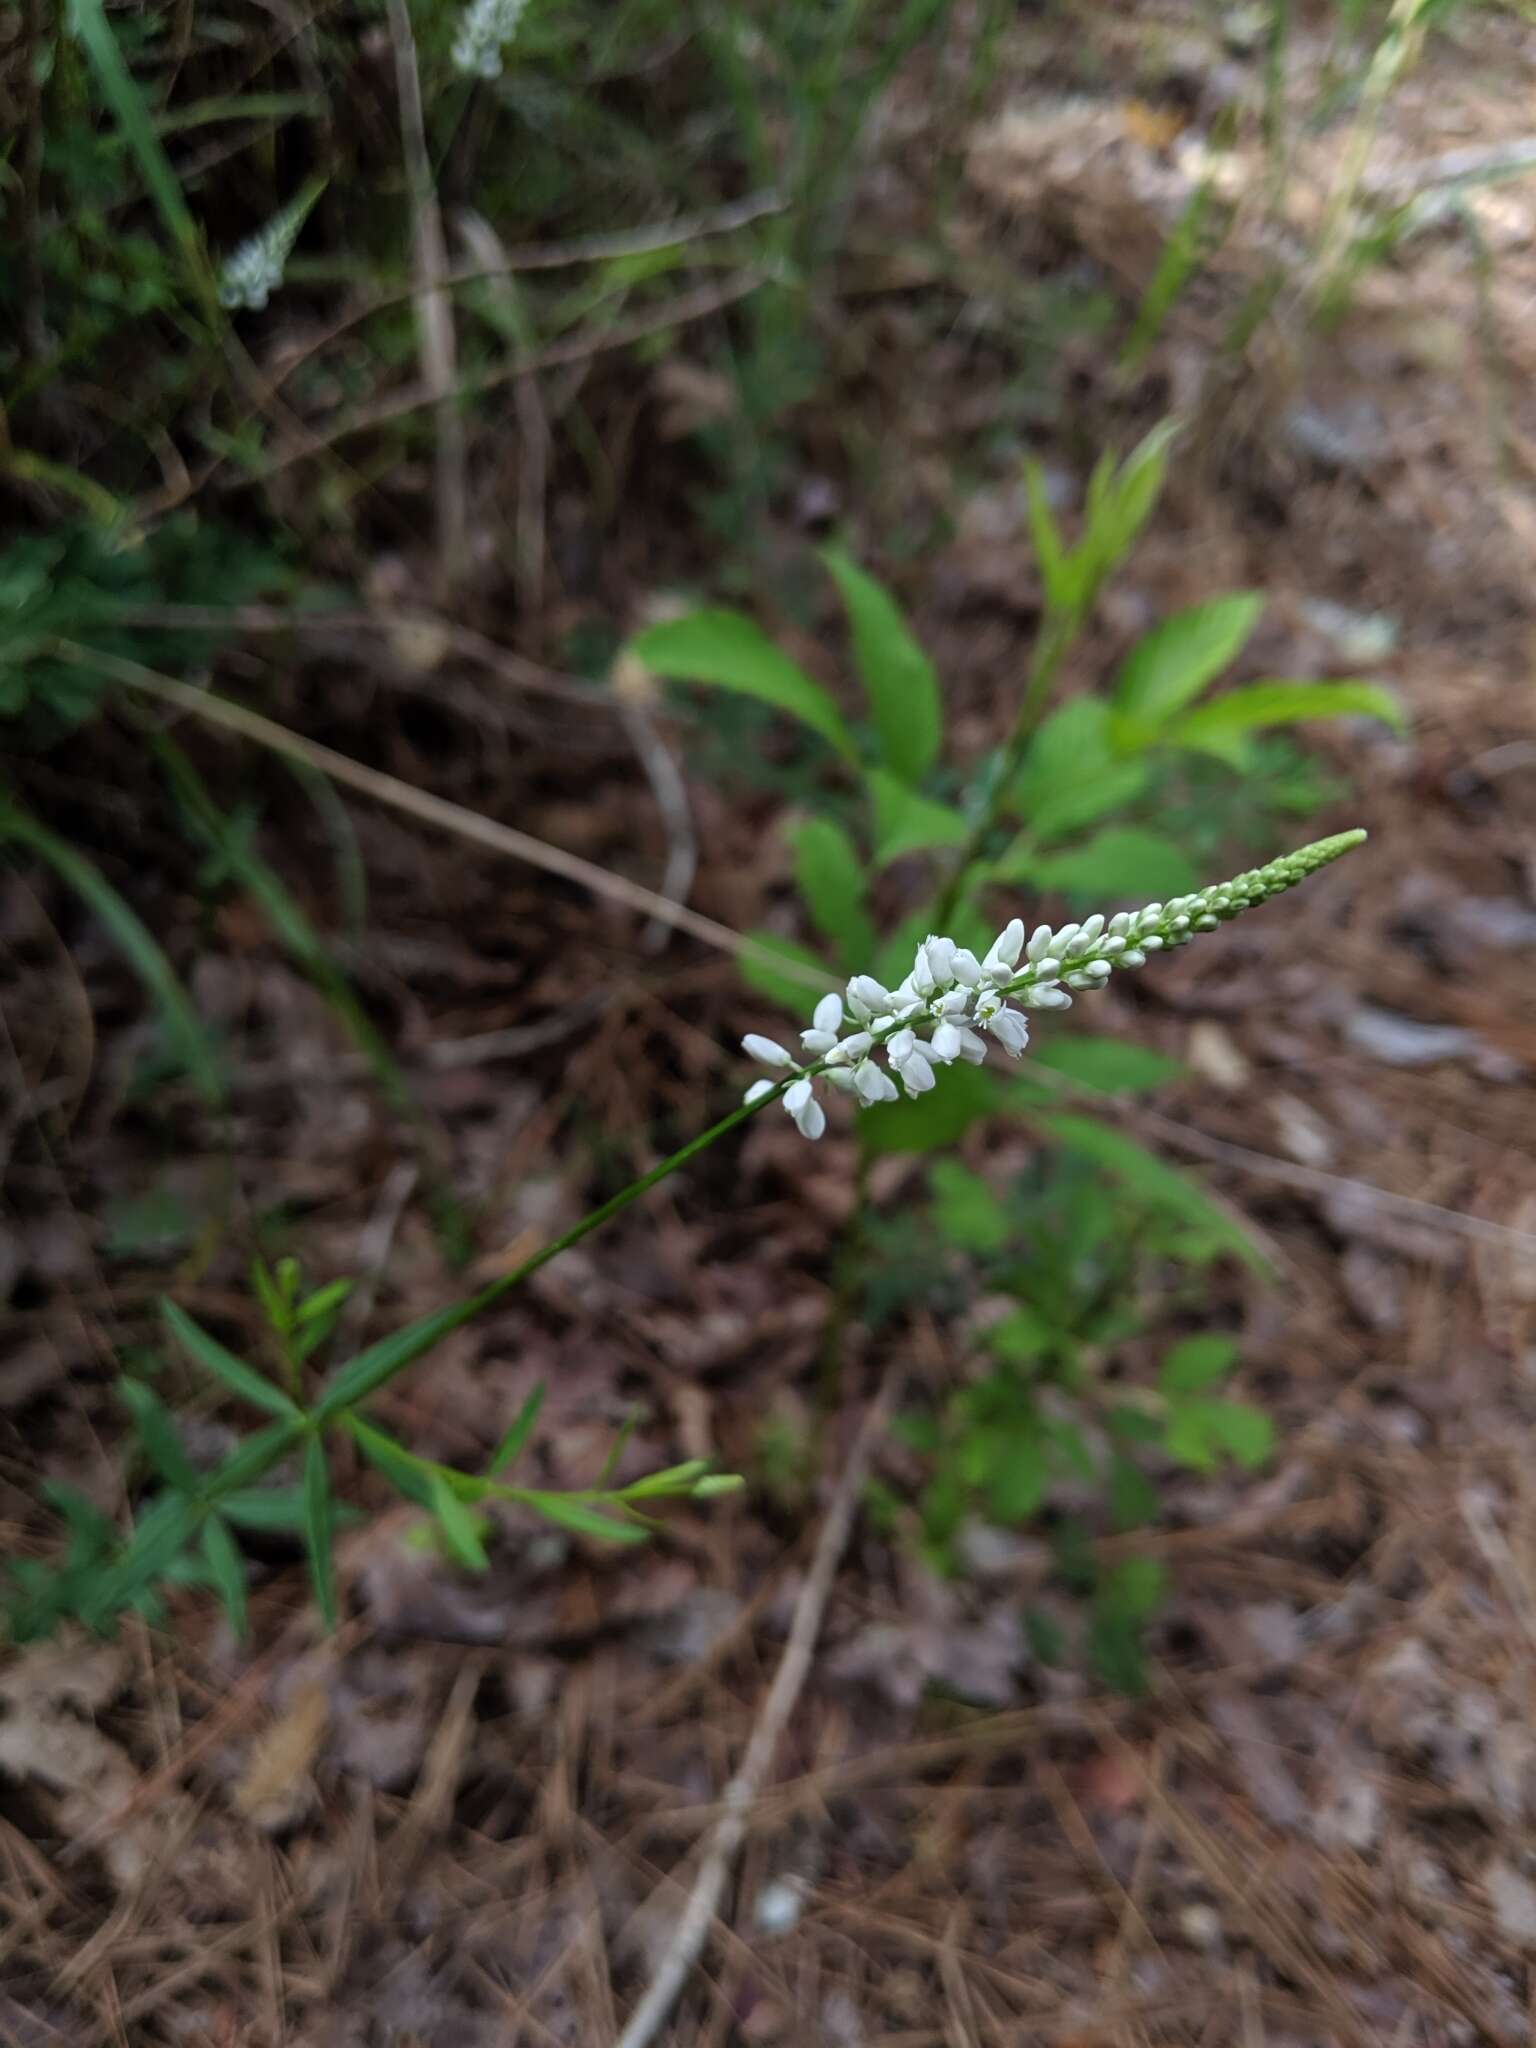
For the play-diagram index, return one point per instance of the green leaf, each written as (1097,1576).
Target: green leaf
(1122,860)
(1018,1478)
(788,991)
(371,1369)
(87,20)
(966,1210)
(1133,1498)
(898,677)
(1197,1362)
(1221,726)
(1115,1066)
(460,1525)
(158,1538)
(908,823)
(318,1528)
(671,1480)
(830,876)
(583,1520)
(323,1302)
(211,1355)
(226,1570)
(1134,1588)
(270,1510)
(1175,661)
(1245,1431)
(512,1445)
(1071,776)
(1126,500)
(1200,1430)
(725,648)
(158,1434)
(931,1122)
(128,933)
(410,1476)
(1152,1179)
(1020,1336)
(1056,570)
(258,1454)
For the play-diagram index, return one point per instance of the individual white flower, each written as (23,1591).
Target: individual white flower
(917,1077)
(852,1048)
(872,1084)
(966,968)
(810,1118)
(757,1091)
(868,998)
(485,29)
(1010,1028)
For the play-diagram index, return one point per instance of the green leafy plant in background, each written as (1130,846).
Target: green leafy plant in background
(182,1526)
(1061,806)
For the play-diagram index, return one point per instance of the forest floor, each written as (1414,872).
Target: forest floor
(471,1817)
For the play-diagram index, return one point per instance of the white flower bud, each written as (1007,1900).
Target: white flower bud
(852,1048)
(916,1074)
(828,1014)
(945,1043)
(766,1050)
(758,1090)
(867,997)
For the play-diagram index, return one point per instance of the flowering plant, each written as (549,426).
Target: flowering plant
(934,1017)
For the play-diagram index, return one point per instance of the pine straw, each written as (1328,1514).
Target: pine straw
(1314,1831)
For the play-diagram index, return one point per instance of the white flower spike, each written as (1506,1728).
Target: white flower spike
(937,1014)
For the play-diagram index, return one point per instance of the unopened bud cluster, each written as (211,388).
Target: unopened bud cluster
(252,273)
(938,1014)
(485,29)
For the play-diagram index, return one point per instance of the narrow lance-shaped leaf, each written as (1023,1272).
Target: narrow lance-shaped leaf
(460,1526)
(233,1372)
(725,648)
(1220,726)
(898,677)
(582,1520)
(226,1568)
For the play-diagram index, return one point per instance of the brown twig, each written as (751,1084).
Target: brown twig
(437,810)
(725,1839)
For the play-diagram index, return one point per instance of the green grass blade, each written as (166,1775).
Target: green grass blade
(133,939)
(235,1374)
(287,920)
(318,1528)
(120,90)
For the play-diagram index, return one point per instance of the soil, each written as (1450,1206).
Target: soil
(471,1817)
